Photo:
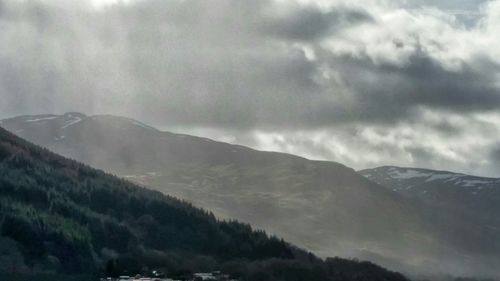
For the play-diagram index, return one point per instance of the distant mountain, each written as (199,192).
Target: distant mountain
(61,217)
(323,206)
(442,188)
(458,201)
(477,198)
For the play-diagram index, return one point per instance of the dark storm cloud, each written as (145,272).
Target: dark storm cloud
(446,128)
(312,23)
(222,64)
(421,156)
(422,81)
(495,155)
(260,66)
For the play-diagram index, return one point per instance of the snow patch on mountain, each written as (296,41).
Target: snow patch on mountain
(42,119)
(406,174)
(447,177)
(142,125)
(473,183)
(71,122)
(399,179)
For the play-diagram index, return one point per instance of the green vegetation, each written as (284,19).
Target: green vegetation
(59,218)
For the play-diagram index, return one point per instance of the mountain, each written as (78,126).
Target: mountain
(325,207)
(476,198)
(469,202)
(442,188)
(469,197)
(61,217)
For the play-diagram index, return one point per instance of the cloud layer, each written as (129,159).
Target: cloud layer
(365,83)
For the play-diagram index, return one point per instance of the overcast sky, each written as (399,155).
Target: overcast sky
(364,83)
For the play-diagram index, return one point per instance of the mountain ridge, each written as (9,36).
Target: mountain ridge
(59,216)
(409,178)
(323,206)
(385,167)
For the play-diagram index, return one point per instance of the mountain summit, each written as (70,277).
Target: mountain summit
(61,219)
(323,206)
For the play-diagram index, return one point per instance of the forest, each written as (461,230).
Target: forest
(62,220)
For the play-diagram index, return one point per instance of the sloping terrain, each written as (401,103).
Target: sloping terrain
(323,206)
(61,217)
(453,190)
(467,208)
(462,200)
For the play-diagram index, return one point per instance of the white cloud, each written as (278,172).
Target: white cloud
(464,147)
(365,83)
(100,4)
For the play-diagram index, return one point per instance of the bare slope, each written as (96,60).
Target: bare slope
(324,206)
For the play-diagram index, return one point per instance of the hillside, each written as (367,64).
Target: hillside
(61,217)
(322,206)
(465,199)
(443,188)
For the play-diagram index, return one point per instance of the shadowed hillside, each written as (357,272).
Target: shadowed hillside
(61,217)
(323,206)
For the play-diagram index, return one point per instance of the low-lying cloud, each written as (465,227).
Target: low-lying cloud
(366,83)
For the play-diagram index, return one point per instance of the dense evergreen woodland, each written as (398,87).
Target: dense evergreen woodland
(60,219)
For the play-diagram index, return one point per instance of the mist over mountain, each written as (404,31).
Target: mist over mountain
(358,82)
(441,188)
(471,198)
(325,207)
(62,220)
(260,123)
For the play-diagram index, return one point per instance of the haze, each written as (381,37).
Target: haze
(364,83)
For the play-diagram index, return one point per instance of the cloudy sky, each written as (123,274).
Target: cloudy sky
(364,83)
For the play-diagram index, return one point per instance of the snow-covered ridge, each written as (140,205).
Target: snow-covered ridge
(69,119)
(406,174)
(410,177)
(41,119)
